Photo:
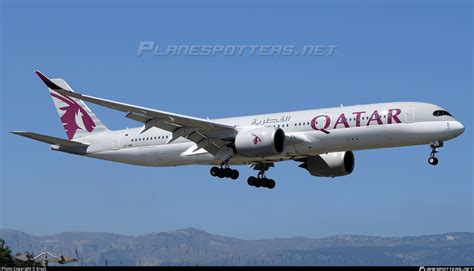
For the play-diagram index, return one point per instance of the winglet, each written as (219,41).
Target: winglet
(47,81)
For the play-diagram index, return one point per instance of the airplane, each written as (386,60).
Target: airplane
(322,140)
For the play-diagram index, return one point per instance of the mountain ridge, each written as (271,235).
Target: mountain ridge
(192,246)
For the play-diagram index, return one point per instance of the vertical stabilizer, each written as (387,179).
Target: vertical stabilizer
(77,119)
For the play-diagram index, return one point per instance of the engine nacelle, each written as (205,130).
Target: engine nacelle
(330,164)
(260,142)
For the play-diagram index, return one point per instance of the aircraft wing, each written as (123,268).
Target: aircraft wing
(212,136)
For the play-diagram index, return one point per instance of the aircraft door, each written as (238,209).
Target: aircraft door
(116,143)
(410,115)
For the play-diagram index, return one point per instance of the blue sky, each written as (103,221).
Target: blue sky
(387,51)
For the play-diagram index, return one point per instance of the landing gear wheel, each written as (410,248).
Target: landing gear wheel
(251,181)
(214,171)
(264,182)
(258,182)
(433,161)
(220,174)
(227,172)
(271,184)
(234,175)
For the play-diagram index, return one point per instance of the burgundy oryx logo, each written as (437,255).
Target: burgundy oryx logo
(256,139)
(74,117)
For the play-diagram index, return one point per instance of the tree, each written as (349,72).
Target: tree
(6,258)
(5,255)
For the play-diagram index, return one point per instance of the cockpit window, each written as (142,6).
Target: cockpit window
(439,113)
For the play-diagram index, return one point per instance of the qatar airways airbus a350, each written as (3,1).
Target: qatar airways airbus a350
(321,140)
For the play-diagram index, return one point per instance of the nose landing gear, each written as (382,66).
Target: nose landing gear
(435,145)
(433,161)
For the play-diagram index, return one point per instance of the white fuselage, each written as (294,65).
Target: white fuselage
(309,132)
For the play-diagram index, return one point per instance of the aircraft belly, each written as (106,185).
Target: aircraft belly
(417,133)
(344,140)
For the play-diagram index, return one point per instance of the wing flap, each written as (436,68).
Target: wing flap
(137,117)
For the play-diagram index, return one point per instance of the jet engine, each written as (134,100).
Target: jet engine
(332,164)
(260,142)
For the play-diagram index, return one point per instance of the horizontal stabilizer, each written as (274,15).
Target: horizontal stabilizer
(53,140)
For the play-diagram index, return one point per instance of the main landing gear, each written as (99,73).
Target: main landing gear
(261,180)
(225,172)
(435,145)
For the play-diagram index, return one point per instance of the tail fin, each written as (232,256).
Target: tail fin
(78,120)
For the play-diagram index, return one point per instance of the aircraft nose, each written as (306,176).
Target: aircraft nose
(458,128)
